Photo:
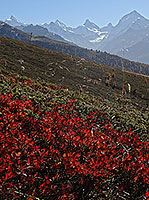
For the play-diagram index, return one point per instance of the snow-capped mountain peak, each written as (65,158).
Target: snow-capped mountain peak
(13,18)
(90,25)
(63,26)
(12,21)
(59,23)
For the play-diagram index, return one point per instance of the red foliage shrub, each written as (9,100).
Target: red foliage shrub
(59,155)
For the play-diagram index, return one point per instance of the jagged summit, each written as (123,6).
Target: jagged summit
(87,22)
(60,23)
(13,21)
(132,16)
(90,24)
(110,25)
(13,18)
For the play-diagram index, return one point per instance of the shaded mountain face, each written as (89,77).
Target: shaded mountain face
(135,52)
(34,29)
(11,32)
(40,31)
(91,25)
(131,20)
(86,35)
(30,33)
(131,29)
(107,28)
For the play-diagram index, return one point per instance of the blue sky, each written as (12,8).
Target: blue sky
(71,12)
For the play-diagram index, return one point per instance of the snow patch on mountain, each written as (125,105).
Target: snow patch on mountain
(99,39)
(94,30)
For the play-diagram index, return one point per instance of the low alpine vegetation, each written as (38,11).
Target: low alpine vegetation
(59,154)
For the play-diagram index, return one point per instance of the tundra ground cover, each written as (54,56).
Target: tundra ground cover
(126,117)
(75,73)
(60,155)
(60,144)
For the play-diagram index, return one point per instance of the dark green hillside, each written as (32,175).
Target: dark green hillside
(74,73)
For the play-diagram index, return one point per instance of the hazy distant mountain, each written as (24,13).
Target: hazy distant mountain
(133,19)
(34,29)
(91,25)
(130,30)
(30,33)
(128,34)
(40,31)
(107,28)
(140,51)
(67,33)
(87,35)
